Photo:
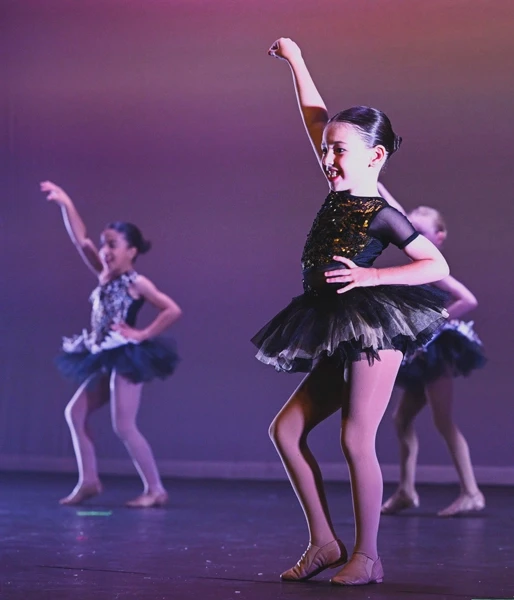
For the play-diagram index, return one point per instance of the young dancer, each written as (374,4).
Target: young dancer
(350,327)
(427,377)
(114,359)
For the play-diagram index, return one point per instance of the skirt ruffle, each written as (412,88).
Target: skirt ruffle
(455,351)
(350,326)
(137,362)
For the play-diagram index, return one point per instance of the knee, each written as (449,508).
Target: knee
(444,424)
(282,433)
(400,422)
(354,444)
(275,431)
(123,429)
(72,415)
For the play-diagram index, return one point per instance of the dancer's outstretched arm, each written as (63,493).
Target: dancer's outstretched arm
(312,108)
(74,226)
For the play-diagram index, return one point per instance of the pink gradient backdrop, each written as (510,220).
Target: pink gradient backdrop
(170,114)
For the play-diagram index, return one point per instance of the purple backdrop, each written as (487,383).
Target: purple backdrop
(170,114)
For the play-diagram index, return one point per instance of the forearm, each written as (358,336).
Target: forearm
(416,273)
(459,308)
(74,224)
(164,319)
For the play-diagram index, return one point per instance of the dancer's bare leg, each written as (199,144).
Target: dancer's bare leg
(411,403)
(319,395)
(90,396)
(125,402)
(440,396)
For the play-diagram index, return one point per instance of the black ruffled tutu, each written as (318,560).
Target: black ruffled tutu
(455,351)
(350,326)
(137,362)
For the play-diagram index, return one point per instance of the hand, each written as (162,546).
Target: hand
(353,275)
(285,49)
(130,333)
(55,193)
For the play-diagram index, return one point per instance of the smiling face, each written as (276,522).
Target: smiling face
(115,253)
(348,163)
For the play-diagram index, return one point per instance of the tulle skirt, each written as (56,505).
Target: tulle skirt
(137,362)
(456,351)
(350,326)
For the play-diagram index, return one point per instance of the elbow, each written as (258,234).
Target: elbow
(175,313)
(471,302)
(84,244)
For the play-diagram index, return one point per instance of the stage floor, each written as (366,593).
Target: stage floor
(225,540)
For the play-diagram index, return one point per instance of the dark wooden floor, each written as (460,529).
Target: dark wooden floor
(224,540)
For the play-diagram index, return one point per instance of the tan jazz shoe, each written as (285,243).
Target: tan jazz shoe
(315,560)
(399,501)
(360,570)
(465,503)
(82,492)
(149,500)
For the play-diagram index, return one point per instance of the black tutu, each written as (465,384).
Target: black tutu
(455,351)
(350,326)
(137,362)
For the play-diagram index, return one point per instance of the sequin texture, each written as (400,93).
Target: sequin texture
(340,228)
(112,303)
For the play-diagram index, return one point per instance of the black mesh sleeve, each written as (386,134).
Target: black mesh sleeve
(391,227)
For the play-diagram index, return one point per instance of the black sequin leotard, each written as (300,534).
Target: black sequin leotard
(364,320)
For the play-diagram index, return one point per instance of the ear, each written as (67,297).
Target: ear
(132,252)
(378,156)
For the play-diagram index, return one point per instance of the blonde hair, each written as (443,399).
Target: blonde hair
(434,215)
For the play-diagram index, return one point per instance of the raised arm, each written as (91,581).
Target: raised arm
(312,108)
(389,198)
(74,225)
(462,300)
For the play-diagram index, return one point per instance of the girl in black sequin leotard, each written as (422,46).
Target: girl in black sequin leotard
(113,359)
(350,327)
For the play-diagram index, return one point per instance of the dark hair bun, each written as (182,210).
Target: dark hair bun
(397,143)
(144,246)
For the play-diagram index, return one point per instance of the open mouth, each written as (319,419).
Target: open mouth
(331,173)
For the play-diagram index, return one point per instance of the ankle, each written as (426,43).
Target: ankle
(322,541)
(408,490)
(371,555)
(154,491)
(89,482)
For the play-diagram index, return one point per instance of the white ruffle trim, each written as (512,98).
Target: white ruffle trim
(85,342)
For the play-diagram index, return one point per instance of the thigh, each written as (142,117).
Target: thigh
(318,396)
(90,396)
(412,402)
(125,398)
(440,397)
(370,388)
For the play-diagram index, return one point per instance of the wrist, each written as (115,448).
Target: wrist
(377,276)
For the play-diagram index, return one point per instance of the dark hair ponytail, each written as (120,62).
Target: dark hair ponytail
(373,125)
(132,234)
